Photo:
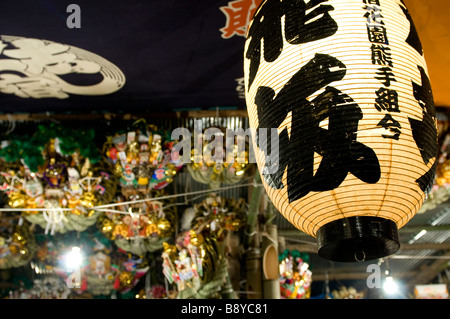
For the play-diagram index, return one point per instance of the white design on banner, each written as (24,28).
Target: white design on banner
(32,69)
(240,87)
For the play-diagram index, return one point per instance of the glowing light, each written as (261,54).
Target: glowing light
(73,259)
(238,173)
(419,235)
(390,286)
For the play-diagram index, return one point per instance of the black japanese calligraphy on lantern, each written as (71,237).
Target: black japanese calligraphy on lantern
(392,125)
(376,2)
(413,38)
(381,55)
(373,15)
(300,27)
(385,75)
(341,152)
(377,34)
(387,100)
(424,131)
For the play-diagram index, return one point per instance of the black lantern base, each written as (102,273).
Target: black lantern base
(358,238)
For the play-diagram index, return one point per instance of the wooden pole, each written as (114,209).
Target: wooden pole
(252,217)
(254,270)
(271,280)
(252,245)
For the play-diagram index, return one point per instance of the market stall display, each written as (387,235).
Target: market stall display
(220,161)
(56,179)
(139,228)
(17,244)
(197,261)
(295,275)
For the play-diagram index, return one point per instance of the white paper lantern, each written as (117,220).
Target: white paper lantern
(345,84)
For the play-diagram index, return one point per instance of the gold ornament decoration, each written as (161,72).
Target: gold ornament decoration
(64,190)
(88,200)
(141,158)
(17,243)
(164,227)
(217,213)
(73,203)
(205,169)
(126,278)
(170,250)
(17,199)
(196,264)
(196,239)
(143,227)
(107,226)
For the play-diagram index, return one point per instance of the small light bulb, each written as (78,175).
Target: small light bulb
(73,259)
(239,173)
(390,286)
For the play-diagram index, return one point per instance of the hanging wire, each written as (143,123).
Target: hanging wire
(106,207)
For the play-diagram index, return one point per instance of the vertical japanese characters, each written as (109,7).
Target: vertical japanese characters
(387,98)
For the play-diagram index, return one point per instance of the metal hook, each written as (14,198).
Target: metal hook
(11,124)
(360,255)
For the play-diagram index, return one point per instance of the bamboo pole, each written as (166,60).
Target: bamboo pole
(253,212)
(252,245)
(271,281)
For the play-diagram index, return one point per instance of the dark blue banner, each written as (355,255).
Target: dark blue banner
(82,55)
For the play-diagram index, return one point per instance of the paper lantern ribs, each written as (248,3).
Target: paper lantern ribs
(345,85)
